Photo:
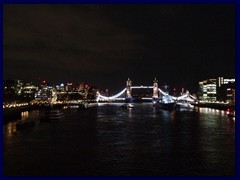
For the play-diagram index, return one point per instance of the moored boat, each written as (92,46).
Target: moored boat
(184,106)
(230,113)
(53,114)
(83,105)
(127,106)
(166,103)
(186,102)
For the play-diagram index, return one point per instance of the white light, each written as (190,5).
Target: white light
(112,97)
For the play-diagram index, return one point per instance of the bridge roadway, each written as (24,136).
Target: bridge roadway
(143,87)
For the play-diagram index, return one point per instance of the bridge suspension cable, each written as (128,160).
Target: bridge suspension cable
(188,97)
(112,97)
(116,96)
(165,94)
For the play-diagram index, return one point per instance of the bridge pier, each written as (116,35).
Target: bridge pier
(155,89)
(129,89)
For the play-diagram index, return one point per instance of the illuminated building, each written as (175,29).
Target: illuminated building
(221,81)
(29,90)
(81,86)
(226,90)
(46,93)
(208,90)
(69,87)
(13,86)
(219,89)
(230,93)
(60,87)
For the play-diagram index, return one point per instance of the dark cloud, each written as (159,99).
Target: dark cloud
(106,44)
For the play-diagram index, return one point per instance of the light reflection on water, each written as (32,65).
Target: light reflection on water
(24,115)
(212,111)
(10,129)
(109,140)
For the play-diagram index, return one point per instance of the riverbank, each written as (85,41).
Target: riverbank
(15,112)
(220,106)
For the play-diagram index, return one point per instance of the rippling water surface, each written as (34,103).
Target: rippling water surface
(108,140)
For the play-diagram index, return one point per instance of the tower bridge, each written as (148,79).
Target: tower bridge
(126,93)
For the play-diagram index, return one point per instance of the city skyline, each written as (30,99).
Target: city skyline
(105,44)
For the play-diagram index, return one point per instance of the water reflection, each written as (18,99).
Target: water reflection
(172,115)
(10,129)
(130,113)
(212,111)
(109,140)
(24,115)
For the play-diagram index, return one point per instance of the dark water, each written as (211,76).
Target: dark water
(108,140)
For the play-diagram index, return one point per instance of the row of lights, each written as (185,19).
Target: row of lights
(14,105)
(216,102)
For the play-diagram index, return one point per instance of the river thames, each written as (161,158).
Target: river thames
(110,141)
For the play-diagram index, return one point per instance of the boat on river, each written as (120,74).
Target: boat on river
(83,106)
(184,105)
(52,114)
(127,106)
(166,103)
(230,113)
(186,102)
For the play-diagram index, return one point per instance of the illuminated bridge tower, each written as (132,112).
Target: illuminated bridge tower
(129,89)
(155,89)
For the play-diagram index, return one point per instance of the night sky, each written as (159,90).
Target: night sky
(103,45)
